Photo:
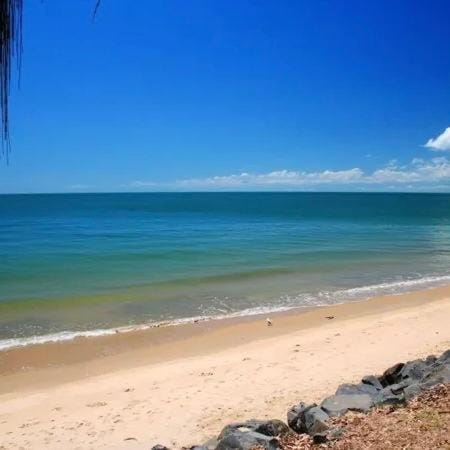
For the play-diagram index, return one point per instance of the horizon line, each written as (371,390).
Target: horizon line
(226,192)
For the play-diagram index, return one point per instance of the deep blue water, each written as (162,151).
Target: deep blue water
(71,263)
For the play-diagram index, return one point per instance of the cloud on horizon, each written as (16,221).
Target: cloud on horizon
(418,174)
(440,143)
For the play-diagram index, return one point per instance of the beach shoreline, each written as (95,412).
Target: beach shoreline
(106,390)
(89,356)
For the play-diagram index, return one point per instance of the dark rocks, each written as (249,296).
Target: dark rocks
(414,370)
(356,389)
(391,375)
(296,417)
(309,419)
(338,405)
(390,397)
(372,380)
(315,420)
(246,435)
(211,444)
(412,391)
(398,384)
(197,447)
(329,435)
(320,438)
(265,427)
(444,358)
(439,374)
(246,440)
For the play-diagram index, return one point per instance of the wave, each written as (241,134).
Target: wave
(286,303)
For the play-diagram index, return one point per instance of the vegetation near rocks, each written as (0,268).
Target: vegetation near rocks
(422,424)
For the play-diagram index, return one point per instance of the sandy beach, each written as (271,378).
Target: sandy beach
(181,385)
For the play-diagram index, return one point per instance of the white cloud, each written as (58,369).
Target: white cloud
(80,187)
(142,184)
(285,178)
(418,171)
(418,174)
(441,143)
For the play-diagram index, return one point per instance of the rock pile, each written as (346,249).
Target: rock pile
(396,386)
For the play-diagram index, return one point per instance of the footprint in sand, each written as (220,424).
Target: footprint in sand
(96,404)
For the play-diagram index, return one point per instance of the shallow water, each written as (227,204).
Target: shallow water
(92,262)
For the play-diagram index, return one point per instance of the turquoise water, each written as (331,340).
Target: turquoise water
(89,263)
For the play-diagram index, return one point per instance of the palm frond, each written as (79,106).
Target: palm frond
(10,49)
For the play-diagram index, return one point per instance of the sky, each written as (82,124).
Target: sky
(232,95)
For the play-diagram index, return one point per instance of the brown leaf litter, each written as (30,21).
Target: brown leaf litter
(423,424)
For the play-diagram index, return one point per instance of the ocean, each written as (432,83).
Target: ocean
(89,264)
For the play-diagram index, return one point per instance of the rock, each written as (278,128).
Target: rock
(388,397)
(296,417)
(412,391)
(315,420)
(414,370)
(398,388)
(328,435)
(361,388)
(320,438)
(160,447)
(372,380)
(338,405)
(265,427)
(211,444)
(271,427)
(196,447)
(440,374)
(444,358)
(391,375)
(247,440)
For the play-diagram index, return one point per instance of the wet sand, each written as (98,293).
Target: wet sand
(180,385)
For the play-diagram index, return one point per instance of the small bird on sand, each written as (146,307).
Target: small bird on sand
(269,322)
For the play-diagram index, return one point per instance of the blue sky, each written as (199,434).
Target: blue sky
(195,95)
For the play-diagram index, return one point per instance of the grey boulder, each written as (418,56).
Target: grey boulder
(247,440)
(444,358)
(315,420)
(338,405)
(412,391)
(329,435)
(390,395)
(266,427)
(391,375)
(356,389)
(372,380)
(415,370)
(440,374)
(246,435)
(197,447)
(296,417)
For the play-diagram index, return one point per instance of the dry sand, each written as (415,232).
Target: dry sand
(180,386)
